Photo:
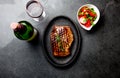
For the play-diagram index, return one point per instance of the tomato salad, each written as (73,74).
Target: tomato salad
(87,16)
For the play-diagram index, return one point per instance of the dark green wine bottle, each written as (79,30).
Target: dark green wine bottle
(23,30)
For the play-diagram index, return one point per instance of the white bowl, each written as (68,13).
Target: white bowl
(97,12)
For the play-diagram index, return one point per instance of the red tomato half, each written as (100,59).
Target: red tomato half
(92,14)
(88,24)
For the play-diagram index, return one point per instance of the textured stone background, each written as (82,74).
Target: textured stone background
(100,50)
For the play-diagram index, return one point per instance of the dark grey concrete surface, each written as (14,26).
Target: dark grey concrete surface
(100,50)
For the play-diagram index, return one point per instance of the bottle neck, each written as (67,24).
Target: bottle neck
(17,27)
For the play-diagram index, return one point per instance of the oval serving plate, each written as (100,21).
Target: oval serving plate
(74,49)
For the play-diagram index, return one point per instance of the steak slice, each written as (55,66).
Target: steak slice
(61,39)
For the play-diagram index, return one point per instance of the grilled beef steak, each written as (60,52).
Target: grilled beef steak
(61,39)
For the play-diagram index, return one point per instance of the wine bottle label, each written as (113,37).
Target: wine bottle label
(33,36)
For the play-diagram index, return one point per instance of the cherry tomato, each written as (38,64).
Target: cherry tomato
(82,16)
(88,24)
(92,14)
(84,9)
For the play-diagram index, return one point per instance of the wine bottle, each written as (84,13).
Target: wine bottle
(23,30)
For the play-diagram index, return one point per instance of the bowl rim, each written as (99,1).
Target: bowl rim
(97,19)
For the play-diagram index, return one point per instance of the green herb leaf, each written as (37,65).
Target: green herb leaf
(61,48)
(94,18)
(58,38)
(59,42)
(92,9)
(91,18)
(88,15)
(93,24)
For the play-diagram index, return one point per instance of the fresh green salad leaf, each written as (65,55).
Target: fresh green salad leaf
(91,18)
(93,24)
(92,9)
